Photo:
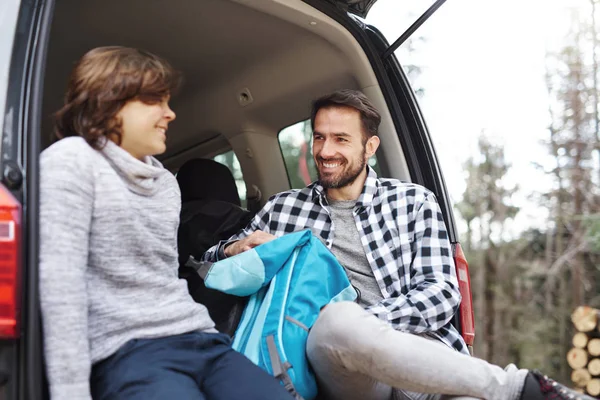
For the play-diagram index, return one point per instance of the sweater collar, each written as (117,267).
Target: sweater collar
(141,177)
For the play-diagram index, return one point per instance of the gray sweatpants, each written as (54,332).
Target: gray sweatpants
(357,356)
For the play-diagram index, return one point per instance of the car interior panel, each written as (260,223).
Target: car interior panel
(242,83)
(251,69)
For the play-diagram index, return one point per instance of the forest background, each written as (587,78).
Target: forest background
(510,91)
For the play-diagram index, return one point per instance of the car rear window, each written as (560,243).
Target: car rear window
(295,142)
(230,160)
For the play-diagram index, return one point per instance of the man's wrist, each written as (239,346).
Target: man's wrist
(222,253)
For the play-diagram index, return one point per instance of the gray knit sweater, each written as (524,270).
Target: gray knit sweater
(108,259)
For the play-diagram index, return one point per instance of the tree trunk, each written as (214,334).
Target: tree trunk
(577,358)
(481,291)
(594,35)
(549,294)
(469,244)
(585,318)
(581,377)
(490,301)
(593,387)
(563,326)
(580,340)
(594,347)
(594,367)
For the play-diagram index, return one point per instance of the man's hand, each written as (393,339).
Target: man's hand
(256,238)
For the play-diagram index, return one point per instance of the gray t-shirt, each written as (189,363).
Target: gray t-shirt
(108,259)
(349,251)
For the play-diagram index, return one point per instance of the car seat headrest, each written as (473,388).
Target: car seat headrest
(205,179)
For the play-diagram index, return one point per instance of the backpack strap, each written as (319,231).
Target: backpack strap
(280,369)
(201,267)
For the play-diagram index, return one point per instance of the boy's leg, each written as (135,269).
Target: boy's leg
(233,376)
(145,370)
(348,337)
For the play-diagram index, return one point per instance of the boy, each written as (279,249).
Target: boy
(118,323)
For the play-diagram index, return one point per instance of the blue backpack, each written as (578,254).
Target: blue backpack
(289,280)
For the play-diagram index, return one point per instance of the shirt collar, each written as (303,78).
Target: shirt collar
(366,196)
(369,190)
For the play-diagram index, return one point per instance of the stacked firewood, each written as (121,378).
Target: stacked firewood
(584,357)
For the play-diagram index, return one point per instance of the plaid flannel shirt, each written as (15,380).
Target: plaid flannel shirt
(405,240)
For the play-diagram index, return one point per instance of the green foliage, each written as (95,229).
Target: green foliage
(592,222)
(486,198)
(295,143)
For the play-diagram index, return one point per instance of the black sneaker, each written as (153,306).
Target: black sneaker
(539,387)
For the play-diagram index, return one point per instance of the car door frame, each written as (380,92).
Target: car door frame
(423,164)
(418,148)
(21,363)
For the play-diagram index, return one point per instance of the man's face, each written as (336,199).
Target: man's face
(338,146)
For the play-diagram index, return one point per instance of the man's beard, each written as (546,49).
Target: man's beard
(343,179)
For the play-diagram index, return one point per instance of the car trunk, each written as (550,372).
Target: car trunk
(275,52)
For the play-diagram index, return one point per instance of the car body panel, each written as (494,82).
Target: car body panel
(9,13)
(358,7)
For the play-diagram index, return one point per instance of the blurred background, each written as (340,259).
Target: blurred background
(509,90)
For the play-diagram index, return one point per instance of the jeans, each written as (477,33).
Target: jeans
(194,365)
(355,355)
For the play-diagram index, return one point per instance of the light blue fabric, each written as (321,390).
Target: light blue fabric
(348,294)
(250,344)
(303,276)
(241,275)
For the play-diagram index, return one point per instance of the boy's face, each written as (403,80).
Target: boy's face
(144,127)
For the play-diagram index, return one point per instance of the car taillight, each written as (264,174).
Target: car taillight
(10,227)
(467,320)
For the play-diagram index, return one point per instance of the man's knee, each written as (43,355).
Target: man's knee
(334,325)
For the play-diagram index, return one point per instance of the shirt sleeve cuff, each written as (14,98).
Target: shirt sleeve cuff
(221,252)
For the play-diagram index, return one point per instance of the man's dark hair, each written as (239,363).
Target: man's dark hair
(103,80)
(355,99)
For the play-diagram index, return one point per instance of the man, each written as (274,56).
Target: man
(398,341)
